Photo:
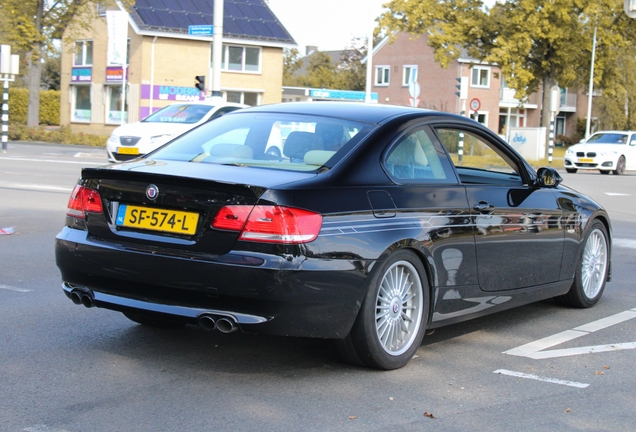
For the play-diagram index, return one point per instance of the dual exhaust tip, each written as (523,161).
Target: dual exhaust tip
(80,297)
(224,324)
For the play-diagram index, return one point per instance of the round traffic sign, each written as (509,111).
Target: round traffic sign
(475,104)
(414,89)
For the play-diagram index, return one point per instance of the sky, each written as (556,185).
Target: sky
(328,24)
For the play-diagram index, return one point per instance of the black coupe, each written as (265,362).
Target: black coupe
(374,224)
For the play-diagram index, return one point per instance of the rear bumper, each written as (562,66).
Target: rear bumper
(280,295)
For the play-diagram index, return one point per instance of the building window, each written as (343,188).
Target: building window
(382,74)
(81,103)
(480,118)
(114,101)
(240,58)
(84,53)
(246,98)
(410,75)
(480,77)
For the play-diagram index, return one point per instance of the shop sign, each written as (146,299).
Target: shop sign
(81,74)
(115,74)
(171,93)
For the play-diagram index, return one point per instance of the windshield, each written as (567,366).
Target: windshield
(608,138)
(279,141)
(187,114)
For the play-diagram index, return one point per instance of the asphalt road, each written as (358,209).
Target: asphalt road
(66,368)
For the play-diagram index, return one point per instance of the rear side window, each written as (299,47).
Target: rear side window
(415,159)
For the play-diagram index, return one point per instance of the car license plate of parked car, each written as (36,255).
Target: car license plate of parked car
(128,150)
(586,160)
(172,221)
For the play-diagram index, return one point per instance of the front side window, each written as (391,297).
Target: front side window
(480,77)
(410,75)
(477,160)
(83,53)
(237,58)
(81,103)
(382,75)
(186,114)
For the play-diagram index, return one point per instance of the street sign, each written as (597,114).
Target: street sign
(414,102)
(414,89)
(475,104)
(201,30)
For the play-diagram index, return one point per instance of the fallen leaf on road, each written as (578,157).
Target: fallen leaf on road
(353,417)
(606,367)
(429,415)
(568,410)
(599,373)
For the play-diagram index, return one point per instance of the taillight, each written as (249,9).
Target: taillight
(270,224)
(83,200)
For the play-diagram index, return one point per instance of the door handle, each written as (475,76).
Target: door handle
(484,207)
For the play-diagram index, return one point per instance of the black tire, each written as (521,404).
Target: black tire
(591,269)
(571,170)
(391,323)
(153,322)
(604,172)
(620,166)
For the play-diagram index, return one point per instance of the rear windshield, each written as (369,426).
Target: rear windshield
(608,138)
(279,141)
(186,114)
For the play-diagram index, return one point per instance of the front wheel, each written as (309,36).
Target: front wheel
(571,170)
(391,323)
(591,271)
(620,166)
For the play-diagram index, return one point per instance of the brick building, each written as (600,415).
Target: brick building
(163,60)
(409,59)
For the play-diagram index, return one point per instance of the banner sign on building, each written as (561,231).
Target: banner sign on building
(171,93)
(81,75)
(117,22)
(115,74)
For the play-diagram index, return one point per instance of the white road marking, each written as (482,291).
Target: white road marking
(616,194)
(35,187)
(53,161)
(537,349)
(626,243)
(540,378)
(16,289)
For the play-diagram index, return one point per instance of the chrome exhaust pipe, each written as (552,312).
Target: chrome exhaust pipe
(76,297)
(226,325)
(87,301)
(207,322)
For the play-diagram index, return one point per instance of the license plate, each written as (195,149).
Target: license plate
(586,160)
(128,150)
(172,221)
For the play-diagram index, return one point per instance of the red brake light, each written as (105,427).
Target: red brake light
(271,224)
(83,200)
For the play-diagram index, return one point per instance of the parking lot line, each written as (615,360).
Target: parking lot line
(540,378)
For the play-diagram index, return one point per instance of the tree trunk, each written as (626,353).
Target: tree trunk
(35,70)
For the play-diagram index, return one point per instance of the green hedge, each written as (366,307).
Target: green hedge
(19,106)
(61,135)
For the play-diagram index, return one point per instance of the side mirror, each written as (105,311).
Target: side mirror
(548,178)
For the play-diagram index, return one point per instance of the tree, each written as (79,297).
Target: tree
(536,43)
(30,26)
(292,62)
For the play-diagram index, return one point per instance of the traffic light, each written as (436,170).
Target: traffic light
(200,82)
(462,87)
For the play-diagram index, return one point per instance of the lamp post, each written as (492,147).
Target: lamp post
(591,88)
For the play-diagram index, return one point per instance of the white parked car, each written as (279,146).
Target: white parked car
(606,151)
(136,139)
